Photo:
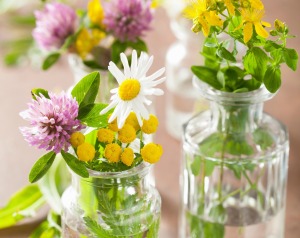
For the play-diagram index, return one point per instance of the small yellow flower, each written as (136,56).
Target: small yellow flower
(230,7)
(151,153)
(127,134)
(132,120)
(113,125)
(96,12)
(202,16)
(252,17)
(112,152)
(86,41)
(76,139)
(279,26)
(127,156)
(86,152)
(105,135)
(150,125)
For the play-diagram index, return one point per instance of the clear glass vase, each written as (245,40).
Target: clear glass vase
(182,99)
(234,170)
(120,204)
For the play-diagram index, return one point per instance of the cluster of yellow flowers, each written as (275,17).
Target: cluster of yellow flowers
(208,13)
(87,39)
(116,142)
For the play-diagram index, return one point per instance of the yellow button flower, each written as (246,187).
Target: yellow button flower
(86,152)
(150,125)
(112,152)
(105,135)
(132,120)
(252,17)
(95,12)
(76,139)
(127,156)
(151,153)
(127,134)
(113,125)
(86,41)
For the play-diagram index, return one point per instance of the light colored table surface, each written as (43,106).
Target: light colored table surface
(16,158)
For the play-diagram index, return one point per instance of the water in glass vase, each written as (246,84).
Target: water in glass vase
(150,232)
(226,198)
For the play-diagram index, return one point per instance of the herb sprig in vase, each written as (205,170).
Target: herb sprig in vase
(236,156)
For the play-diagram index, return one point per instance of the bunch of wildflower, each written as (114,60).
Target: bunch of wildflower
(238,55)
(120,149)
(113,139)
(97,34)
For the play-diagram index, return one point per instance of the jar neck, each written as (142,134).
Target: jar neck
(237,119)
(137,176)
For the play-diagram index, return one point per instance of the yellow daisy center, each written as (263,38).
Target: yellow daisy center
(129,89)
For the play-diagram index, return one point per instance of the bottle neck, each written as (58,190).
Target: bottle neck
(237,119)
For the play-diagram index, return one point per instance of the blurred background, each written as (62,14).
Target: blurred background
(171,48)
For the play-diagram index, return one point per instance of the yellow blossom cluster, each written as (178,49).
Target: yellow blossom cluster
(115,142)
(205,15)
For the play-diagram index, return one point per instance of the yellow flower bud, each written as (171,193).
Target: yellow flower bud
(151,153)
(113,125)
(279,25)
(127,134)
(105,135)
(112,152)
(150,125)
(76,139)
(127,156)
(132,120)
(86,152)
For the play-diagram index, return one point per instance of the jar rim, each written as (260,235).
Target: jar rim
(243,98)
(141,170)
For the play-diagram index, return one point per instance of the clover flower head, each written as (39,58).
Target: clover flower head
(128,19)
(134,87)
(53,25)
(53,120)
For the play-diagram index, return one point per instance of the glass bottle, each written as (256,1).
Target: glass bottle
(117,204)
(234,169)
(182,100)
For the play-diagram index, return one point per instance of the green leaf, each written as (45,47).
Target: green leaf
(90,115)
(291,58)
(41,166)
(211,145)
(209,167)
(118,47)
(37,91)
(271,46)
(86,90)
(238,146)
(225,54)
(96,229)
(12,58)
(255,62)
(196,165)
(207,75)
(76,165)
(50,60)
(272,79)
(263,138)
(22,204)
(93,64)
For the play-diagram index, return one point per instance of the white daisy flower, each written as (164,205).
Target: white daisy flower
(134,87)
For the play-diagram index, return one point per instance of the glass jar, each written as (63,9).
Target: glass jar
(119,204)
(107,82)
(182,99)
(234,170)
